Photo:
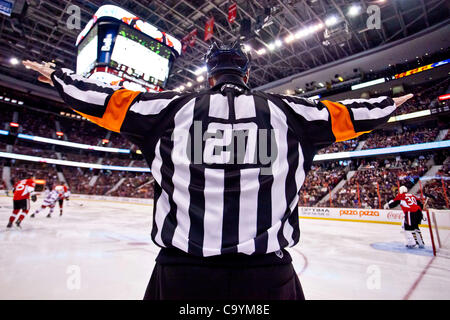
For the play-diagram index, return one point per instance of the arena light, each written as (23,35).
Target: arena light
(271,46)
(301,33)
(59,133)
(14,61)
(4,132)
(20,103)
(308,31)
(331,21)
(189,84)
(319,26)
(71,144)
(201,70)
(354,10)
(105,141)
(261,51)
(247,48)
(411,115)
(200,78)
(278,43)
(289,38)
(444,97)
(382,151)
(368,84)
(14,124)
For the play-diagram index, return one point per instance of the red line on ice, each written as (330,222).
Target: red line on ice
(416,283)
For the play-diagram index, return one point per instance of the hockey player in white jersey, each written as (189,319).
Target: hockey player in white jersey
(50,201)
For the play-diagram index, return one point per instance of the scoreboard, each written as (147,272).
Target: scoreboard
(119,48)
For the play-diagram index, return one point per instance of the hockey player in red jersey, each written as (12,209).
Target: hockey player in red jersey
(412,208)
(23,190)
(50,201)
(62,196)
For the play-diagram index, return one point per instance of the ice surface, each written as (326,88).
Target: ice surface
(103,250)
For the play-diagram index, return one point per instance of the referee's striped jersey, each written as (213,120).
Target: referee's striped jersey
(210,197)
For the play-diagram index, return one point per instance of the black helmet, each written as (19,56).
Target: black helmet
(231,59)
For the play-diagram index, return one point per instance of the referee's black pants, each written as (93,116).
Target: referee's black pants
(207,282)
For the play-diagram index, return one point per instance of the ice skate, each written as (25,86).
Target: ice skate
(9,225)
(410,239)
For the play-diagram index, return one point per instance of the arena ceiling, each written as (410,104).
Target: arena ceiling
(40,31)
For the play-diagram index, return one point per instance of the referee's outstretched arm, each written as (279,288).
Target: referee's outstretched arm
(113,107)
(326,122)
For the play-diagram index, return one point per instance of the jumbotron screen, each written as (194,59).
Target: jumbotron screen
(118,48)
(147,58)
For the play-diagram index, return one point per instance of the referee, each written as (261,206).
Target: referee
(228,164)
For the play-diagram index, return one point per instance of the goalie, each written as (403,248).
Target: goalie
(412,208)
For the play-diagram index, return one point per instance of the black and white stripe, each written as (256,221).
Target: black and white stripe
(209,209)
(85,95)
(367,114)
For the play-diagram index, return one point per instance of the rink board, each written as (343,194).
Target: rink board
(325,213)
(371,215)
(394,217)
(338,214)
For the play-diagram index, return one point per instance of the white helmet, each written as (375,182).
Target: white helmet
(59,189)
(403,189)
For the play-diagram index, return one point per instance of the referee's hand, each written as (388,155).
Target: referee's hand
(45,69)
(401,100)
